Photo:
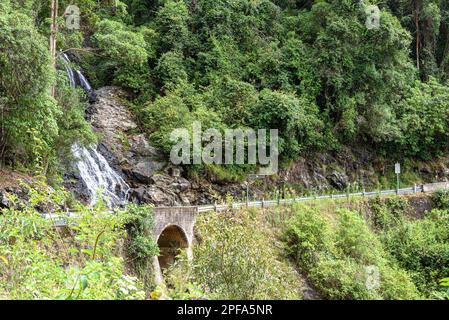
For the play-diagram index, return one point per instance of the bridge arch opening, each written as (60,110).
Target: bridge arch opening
(171,239)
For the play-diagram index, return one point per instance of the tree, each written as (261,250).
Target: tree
(428,21)
(35,127)
(360,72)
(25,80)
(53,33)
(296,118)
(424,118)
(172,24)
(126,54)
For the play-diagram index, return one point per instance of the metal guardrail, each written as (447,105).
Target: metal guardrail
(431,187)
(267,203)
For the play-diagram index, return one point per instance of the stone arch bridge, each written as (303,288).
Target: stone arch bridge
(173,230)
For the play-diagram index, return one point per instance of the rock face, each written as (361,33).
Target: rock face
(10,185)
(151,178)
(144,167)
(326,170)
(122,143)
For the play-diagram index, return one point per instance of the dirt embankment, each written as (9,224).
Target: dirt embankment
(10,183)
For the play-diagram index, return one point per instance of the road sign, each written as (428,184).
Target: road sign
(397,168)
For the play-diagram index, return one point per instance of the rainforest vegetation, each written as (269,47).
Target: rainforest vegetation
(313,69)
(326,246)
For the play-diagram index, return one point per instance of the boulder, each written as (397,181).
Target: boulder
(338,180)
(122,144)
(4,201)
(143,169)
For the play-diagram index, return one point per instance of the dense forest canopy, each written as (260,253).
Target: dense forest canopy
(311,69)
(351,85)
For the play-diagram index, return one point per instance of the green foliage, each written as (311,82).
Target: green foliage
(441,199)
(233,262)
(140,228)
(312,70)
(421,247)
(141,246)
(72,123)
(163,116)
(425,120)
(28,113)
(308,68)
(170,69)
(388,213)
(336,253)
(40,261)
(181,282)
(125,54)
(233,99)
(315,73)
(36,130)
(171,20)
(428,21)
(296,118)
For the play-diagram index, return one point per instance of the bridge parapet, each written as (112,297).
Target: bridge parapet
(182,217)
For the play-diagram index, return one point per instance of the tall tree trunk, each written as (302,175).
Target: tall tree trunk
(2,137)
(53,33)
(418,33)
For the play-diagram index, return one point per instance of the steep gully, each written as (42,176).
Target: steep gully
(94,170)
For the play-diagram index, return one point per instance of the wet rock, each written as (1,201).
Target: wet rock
(137,194)
(4,201)
(338,180)
(143,170)
(122,144)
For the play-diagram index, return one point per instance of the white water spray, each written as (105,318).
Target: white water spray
(93,168)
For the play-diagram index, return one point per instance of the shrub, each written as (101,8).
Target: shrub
(232,261)
(425,119)
(336,254)
(125,54)
(295,118)
(141,221)
(38,261)
(388,213)
(422,248)
(441,199)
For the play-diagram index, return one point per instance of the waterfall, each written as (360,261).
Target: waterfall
(76,77)
(69,70)
(83,82)
(98,176)
(94,170)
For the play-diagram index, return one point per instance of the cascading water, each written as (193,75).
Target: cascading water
(93,168)
(69,70)
(83,82)
(76,77)
(98,176)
